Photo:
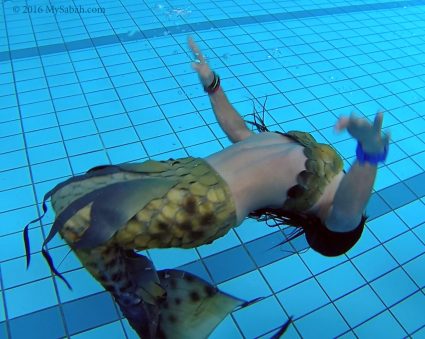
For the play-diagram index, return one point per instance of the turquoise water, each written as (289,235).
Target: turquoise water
(111,82)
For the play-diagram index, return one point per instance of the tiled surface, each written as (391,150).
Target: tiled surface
(83,98)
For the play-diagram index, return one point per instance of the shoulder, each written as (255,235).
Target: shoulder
(268,137)
(241,135)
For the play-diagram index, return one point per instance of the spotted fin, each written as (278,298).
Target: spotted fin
(194,307)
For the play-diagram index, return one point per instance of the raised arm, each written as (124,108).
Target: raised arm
(355,188)
(229,119)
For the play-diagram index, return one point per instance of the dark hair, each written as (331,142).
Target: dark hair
(318,236)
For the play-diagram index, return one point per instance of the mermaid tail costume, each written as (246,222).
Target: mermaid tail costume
(107,213)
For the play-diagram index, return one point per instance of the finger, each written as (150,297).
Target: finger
(387,137)
(342,124)
(352,119)
(201,58)
(195,66)
(377,124)
(192,44)
(196,51)
(356,121)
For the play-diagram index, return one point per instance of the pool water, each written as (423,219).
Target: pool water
(86,83)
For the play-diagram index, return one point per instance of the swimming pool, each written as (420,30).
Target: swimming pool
(84,84)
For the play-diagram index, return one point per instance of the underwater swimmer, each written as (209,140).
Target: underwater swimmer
(111,211)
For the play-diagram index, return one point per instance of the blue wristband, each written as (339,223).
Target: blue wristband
(373,159)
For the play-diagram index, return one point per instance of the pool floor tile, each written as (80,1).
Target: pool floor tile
(409,214)
(84,314)
(382,324)
(410,312)
(82,283)
(269,248)
(387,226)
(30,298)
(248,286)
(417,185)
(285,272)
(318,263)
(359,306)
(303,298)
(397,195)
(415,270)
(172,257)
(325,322)
(394,287)
(44,324)
(251,229)
(229,264)
(112,330)
(405,247)
(268,315)
(226,329)
(374,263)
(14,272)
(226,242)
(331,280)
(376,206)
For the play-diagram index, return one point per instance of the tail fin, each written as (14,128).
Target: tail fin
(173,304)
(177,304)
(194,307)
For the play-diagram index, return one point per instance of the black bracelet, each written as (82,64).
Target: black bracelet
(215,85)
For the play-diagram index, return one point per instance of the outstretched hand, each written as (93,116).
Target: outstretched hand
(369,135)
(200,65)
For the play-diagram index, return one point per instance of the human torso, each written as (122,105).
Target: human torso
(261,169)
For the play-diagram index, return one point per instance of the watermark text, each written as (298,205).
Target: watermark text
(52,9)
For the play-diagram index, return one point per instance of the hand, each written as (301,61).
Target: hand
(369,135)
(200,66)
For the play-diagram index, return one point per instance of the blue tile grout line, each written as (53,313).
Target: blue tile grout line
(204,25)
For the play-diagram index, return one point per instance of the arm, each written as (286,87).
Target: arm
(229,119)
(351,198)
(355,188)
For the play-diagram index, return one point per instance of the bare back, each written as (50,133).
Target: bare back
(260,169)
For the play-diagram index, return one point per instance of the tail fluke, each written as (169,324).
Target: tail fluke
(173,303)
(193,307)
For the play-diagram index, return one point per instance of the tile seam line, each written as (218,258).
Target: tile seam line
(220,23)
